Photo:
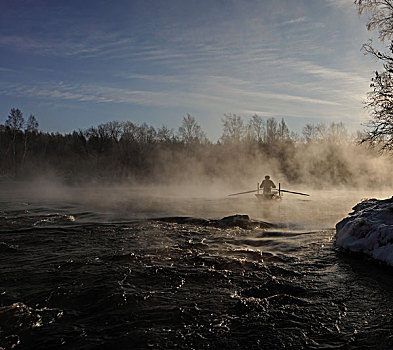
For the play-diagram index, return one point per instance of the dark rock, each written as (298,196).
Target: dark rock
(183,220)
(237,220)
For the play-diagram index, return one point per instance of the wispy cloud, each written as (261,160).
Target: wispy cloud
(294,21)
(155,78)
(259,112)
(216,91)
(342,4)
(105,45)
(3,69)
(328,73)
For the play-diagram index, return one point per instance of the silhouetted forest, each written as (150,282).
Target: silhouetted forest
(321,155)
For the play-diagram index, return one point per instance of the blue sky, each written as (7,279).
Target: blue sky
(76,64)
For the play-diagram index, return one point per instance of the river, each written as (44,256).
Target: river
(93,268)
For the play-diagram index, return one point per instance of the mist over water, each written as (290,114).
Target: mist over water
(323,208)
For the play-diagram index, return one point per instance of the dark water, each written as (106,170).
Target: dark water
(93,269)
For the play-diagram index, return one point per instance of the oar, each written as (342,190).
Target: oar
(302,194)
(280,190)
(235,194)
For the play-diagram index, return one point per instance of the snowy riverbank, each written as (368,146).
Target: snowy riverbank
(369,229)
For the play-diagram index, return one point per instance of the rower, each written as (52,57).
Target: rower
(267,186)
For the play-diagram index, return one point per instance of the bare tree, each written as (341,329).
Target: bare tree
(15,122)
(333,133)
(114,129)
(146,134)
(308,132)
(315,133)
(257,128)
(271,131)
(321,132)
(381,16)
(32,124)
(283,131)
(99,137)
(165,135)
(337,133)
(380,98)
(234,130)
(190,131)
(380,103)
(31,128)
(129,133)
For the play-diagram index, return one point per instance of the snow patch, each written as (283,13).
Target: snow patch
(369,229)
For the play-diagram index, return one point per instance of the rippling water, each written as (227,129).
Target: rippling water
(84,269)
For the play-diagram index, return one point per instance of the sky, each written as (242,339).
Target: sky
(75,64)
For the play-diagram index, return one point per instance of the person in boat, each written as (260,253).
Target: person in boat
(267,186)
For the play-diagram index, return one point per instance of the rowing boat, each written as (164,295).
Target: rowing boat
(276,194)
(268,197)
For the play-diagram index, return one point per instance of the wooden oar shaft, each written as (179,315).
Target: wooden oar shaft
(302,194)
(235,194)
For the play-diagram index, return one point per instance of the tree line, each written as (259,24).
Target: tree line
(119,151)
